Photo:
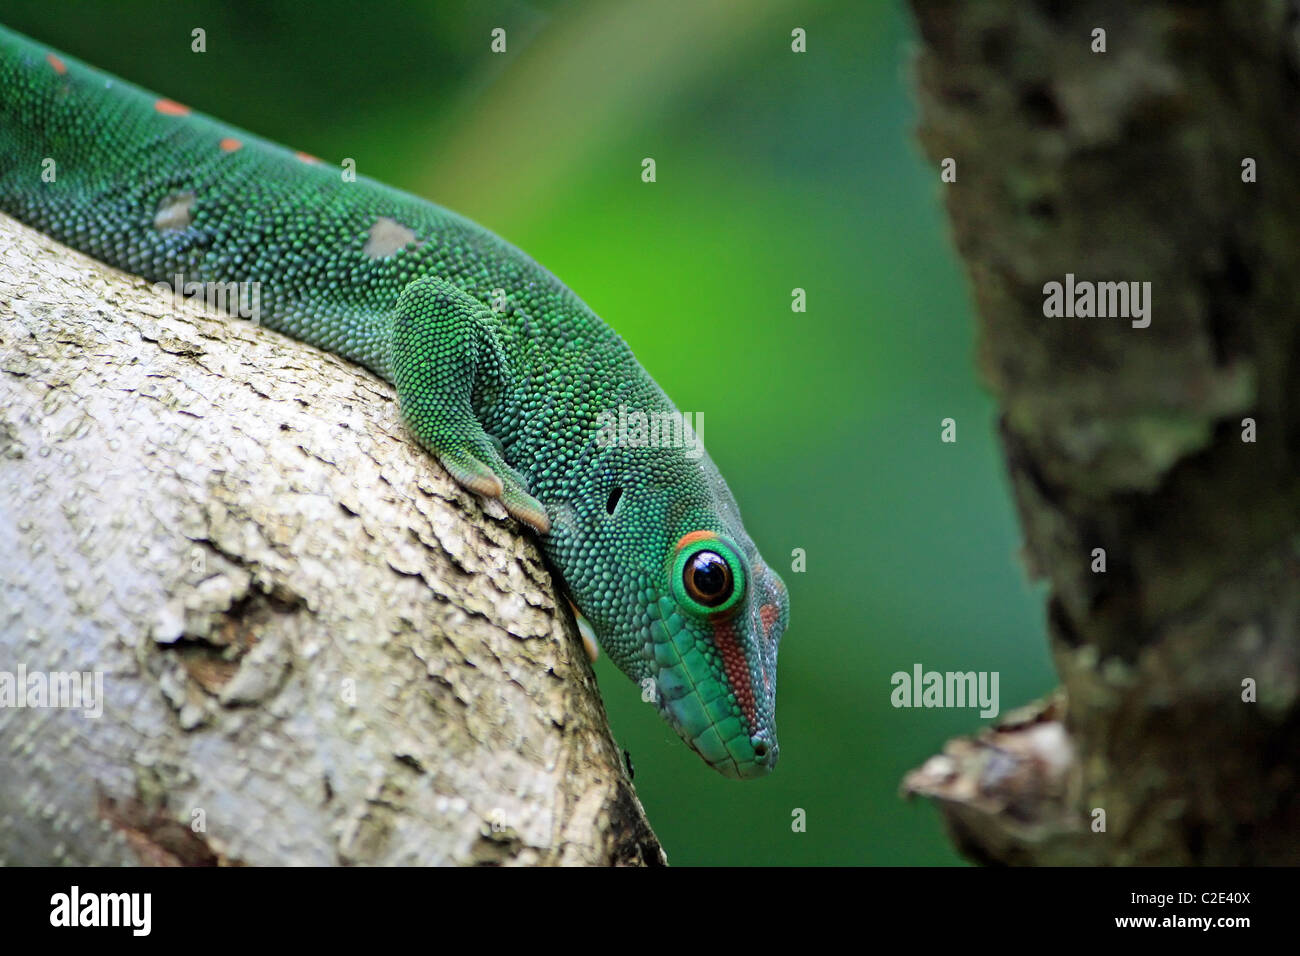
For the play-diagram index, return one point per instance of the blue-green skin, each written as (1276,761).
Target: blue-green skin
(507,399)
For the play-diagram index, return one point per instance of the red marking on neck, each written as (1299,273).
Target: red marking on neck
(727,641)
(59,66)
(768,614)
(693,536)
(307,157)
(171,108)
(230,144)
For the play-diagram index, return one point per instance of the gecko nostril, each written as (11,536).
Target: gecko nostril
(760,749)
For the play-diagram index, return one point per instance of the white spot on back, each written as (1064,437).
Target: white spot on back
(387,236)
(174,212)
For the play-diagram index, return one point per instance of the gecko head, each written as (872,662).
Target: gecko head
(714,633)
(659,569)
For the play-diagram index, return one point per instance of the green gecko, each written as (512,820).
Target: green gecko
(508,395)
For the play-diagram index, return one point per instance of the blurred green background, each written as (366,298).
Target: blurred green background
(775,170)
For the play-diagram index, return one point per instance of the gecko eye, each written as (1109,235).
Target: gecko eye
(707,578)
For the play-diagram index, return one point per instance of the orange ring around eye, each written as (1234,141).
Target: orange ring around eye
(692,536)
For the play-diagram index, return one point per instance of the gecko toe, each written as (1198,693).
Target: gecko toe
(471,473)
(526,508)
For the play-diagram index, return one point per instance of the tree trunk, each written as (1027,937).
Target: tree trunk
(314,647)
(1130,165)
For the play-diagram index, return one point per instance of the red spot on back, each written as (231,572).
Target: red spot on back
(727,641)
(171,108)
(59,66)
(230,144)
(307,157)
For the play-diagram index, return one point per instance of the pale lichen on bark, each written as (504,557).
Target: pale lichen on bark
(312,641)
(1127,165)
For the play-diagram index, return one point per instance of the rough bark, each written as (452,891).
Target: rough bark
(1127,165)
(315,648)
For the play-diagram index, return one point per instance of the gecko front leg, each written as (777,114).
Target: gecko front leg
(443,353)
